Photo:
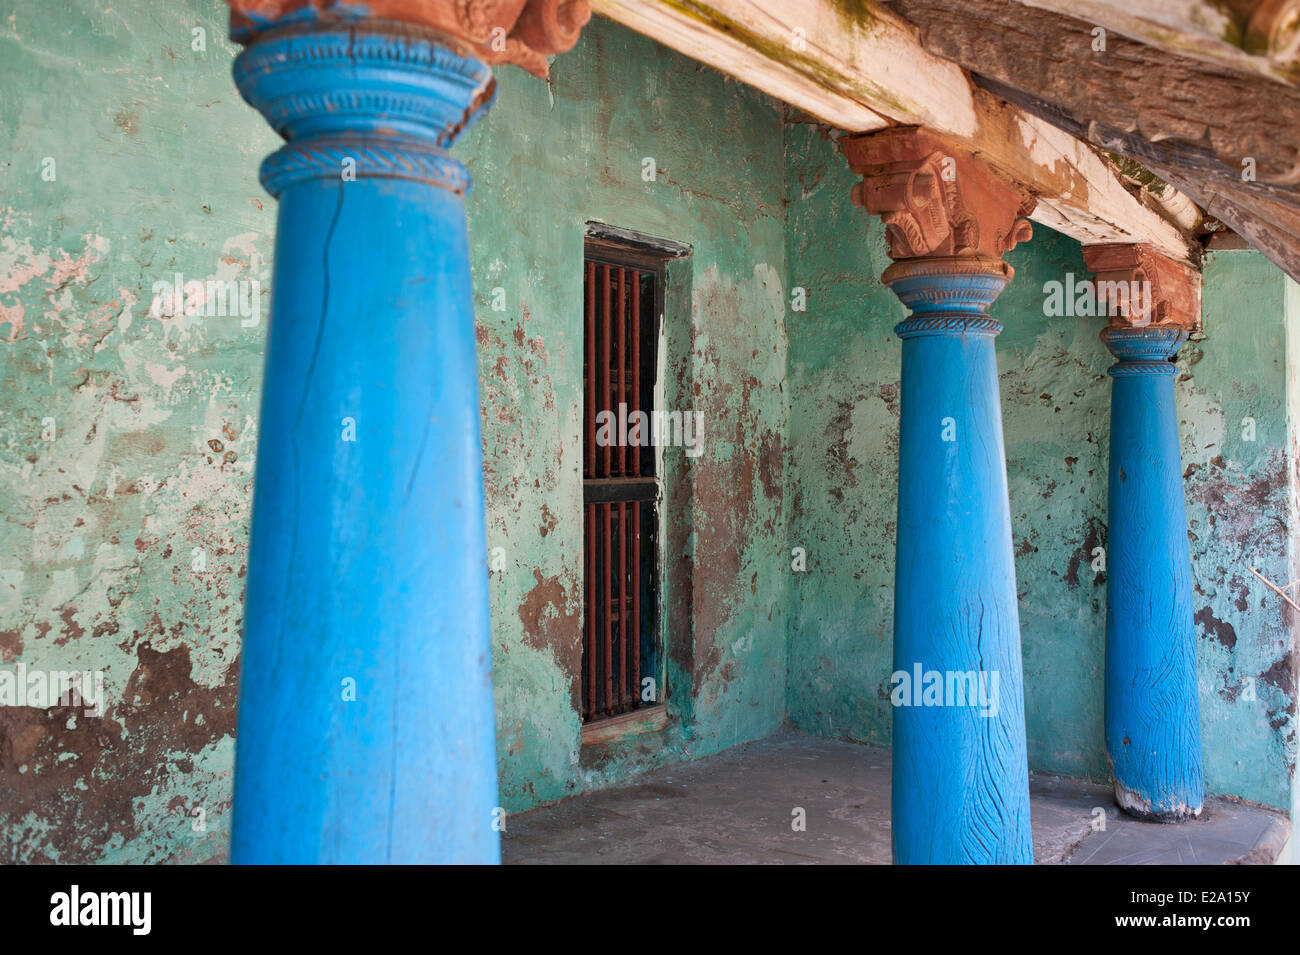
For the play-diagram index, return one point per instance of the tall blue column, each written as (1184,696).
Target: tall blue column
(366,726)
(1152,718)
(366,716)
(1153,729)
(960,770)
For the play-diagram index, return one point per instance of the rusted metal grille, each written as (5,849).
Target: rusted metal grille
(620,488)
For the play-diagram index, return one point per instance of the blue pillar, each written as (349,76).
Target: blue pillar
(960,772)
(1153,730)
(366,717)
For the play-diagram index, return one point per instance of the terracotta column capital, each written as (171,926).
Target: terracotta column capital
(1139,287)
(937,200)
(522,32)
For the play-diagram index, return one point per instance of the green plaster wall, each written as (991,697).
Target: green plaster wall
(123,546)
(155,422)
(843,379)
(156,415)
(1241,514)
(550,156)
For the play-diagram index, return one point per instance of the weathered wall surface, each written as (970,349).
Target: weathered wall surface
(1056,418)
(1240,471)
(843,379)
(154,416)
(126,441)
(128,432)
(1292,304)
(549,157)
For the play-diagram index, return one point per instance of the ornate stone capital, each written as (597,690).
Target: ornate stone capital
(1153,303)
(948,218)
(522,32)
(1140,287)
(362,101)
(1143,350)
(935,198)
(948,294)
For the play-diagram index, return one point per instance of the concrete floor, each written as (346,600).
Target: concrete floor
(737,807)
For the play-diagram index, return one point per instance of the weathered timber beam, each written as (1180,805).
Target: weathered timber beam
(820,55)
(1256,36)
(1264,215)
(1194,160)
(1191,109)
(1270,227)
(862,58)
(745,57)
(1211,132)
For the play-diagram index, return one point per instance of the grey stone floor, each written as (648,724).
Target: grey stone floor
(737,807)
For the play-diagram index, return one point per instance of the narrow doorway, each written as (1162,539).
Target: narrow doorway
(621,653)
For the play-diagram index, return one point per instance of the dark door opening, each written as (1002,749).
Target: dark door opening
(620,649)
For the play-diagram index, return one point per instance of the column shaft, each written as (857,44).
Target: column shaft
(1153,733)
(366,715)
(960,775)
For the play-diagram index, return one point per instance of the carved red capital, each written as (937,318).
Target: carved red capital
(522,32)
(935,198)
(1139,286)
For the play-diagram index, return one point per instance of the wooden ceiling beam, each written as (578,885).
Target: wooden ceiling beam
(1269,224)
(826,57)
(1194,112)
(1226,139)
(743,54)
(1251,36)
